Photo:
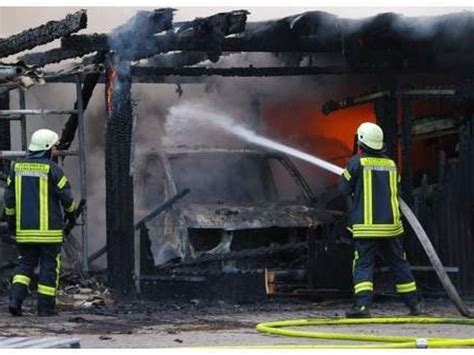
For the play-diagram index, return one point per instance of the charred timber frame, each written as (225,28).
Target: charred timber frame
(196,75)
(386,109)
(119,181)
(332,105)
(144,22)
(206,34)
(43,34)
(146,74)
(406,138)
(386,113)
(386,38)
(119,144)
(70,127)
(52,56)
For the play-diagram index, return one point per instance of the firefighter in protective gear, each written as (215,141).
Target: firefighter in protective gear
(36,190)
(371,178)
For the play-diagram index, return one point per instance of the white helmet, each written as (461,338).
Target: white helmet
(370,135)
(43,139)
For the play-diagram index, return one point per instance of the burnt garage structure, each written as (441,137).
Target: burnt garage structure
(414,62)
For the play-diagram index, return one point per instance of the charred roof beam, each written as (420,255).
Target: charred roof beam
(333,105)
(55,55)
(43,34)
(148,74)
(128,39)
(205,34)
(383,41)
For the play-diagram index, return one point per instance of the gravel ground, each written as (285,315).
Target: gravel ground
(146,324)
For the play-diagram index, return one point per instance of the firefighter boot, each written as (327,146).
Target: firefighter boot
(415,304)
(17,294)
(358,311)
(46,306)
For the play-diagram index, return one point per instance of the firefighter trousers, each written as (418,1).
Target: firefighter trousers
(391,249)
(48,256)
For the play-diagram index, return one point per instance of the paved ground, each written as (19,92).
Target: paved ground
(145,324)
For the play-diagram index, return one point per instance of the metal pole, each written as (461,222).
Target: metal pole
(36,112)
(23,118)
(82,172)
(14,154)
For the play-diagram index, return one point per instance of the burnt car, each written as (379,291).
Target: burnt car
(247,211)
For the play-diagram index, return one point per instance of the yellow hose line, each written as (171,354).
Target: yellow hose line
(387,341)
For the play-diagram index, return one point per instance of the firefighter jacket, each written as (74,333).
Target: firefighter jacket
(373,181)
(36,187)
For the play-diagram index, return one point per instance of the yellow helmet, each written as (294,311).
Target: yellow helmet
(43,139)
(370,135)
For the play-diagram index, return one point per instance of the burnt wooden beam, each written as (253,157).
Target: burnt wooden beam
(335,105)
(314,31)
(406,140)
(170,42)
(43,34)
(52,56)
(435,126)
(118,177)
(291,34)
(148,73)
(157,79)
(70,127)
(190,75)
(91,43)
(128,39)
(143,24)
(388,38)
(207,34)
(177,59)
(386,114)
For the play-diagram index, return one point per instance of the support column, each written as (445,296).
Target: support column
(386,114)
(24,137)
(82,171)
(5,141)
(119,181)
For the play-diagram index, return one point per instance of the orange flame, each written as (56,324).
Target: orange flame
(329,137)
(109,88)
(304,126)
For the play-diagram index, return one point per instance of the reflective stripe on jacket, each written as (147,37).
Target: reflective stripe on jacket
(373,180)
(36,189)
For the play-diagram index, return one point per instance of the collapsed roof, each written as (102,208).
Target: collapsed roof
(383,42)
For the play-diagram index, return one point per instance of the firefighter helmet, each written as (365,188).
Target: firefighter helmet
(43,139)
(370,135)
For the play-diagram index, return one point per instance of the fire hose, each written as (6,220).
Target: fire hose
(384,341)
(381,341)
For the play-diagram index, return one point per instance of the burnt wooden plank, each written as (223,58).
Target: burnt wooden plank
(43,34)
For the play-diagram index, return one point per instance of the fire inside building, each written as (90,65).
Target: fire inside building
(257,226)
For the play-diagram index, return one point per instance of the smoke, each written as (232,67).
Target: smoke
(201,113)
